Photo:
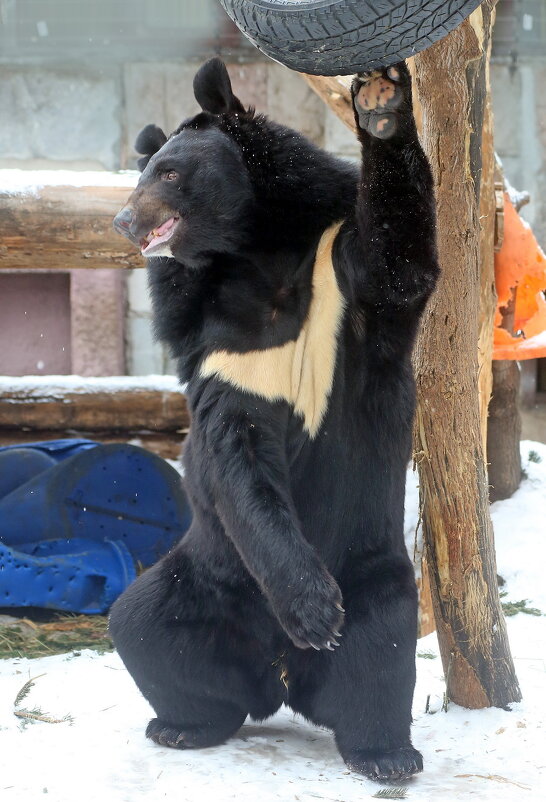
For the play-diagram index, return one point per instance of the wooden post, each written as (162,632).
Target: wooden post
(451,83)
(504,425)
(504,421)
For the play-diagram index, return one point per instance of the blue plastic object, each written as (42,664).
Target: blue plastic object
(18,465)
(56,449)
(72,575)
(99,508)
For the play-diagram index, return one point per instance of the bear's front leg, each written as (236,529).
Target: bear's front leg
(391,255)
(247,462)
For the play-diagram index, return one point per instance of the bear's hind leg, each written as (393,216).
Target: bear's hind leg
(223,722)
(196,669)
(363,690)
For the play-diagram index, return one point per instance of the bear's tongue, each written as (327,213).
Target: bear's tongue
(158,235)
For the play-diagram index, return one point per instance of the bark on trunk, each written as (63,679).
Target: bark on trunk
(452,88)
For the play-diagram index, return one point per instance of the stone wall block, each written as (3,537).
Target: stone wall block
(97,302)
(250,84)
(292,102)
(60,115)
(179,100)
(338,138)
(145,102)
(506,96)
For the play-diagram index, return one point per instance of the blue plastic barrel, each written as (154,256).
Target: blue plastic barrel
(19,465)
(120,492)
(72,535)
(72,575)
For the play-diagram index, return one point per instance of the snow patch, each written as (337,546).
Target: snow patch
(30,182)
(56,386)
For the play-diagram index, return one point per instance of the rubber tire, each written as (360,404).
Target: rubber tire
(341,37)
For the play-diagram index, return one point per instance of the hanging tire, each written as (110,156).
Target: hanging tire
(340,37)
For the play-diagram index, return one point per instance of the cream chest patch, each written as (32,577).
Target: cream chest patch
(300,371)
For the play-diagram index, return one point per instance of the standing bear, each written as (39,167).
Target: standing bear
(289,286)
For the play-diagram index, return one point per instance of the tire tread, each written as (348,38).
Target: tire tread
(354,35)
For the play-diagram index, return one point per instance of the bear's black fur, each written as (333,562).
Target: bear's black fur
(295,345)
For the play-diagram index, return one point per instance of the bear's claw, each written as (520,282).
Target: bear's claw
(393,765)
(165,734)
(314,617)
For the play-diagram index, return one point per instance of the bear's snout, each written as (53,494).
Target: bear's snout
(124,222)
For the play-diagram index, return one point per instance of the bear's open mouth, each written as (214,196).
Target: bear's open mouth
(158,236)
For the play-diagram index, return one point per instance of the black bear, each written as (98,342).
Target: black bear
(289,285)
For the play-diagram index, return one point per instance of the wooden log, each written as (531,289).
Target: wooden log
(457,528)
(504,429)
(504,421)
(36,408)
(60,227)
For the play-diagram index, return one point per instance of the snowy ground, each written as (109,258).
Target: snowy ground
(102,753)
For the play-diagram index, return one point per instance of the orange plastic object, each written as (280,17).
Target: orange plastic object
(520,263)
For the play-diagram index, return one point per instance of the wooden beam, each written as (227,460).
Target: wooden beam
(123,410)
(58,227)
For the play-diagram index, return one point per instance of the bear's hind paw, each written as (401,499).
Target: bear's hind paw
(392,765)
(164,734)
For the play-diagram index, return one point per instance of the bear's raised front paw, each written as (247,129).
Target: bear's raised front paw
(396,764)
(314,615)
(380,98)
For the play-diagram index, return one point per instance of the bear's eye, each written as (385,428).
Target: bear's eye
(169,175)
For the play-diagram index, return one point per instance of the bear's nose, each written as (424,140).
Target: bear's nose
(123,221)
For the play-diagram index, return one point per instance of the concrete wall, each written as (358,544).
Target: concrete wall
(68,116)
(86,116)
(59,322)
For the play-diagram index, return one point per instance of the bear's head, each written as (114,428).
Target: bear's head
(232,182)
(193,196)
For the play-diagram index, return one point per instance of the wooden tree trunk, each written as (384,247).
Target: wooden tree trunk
(451,83)
(504,426)
(504,431)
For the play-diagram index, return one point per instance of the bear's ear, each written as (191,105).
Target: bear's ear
(149,141)
(212,89)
